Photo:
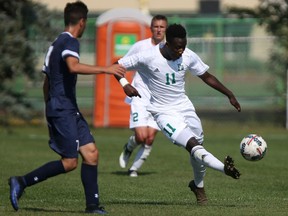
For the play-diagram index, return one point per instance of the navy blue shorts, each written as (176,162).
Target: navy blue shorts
(68,133)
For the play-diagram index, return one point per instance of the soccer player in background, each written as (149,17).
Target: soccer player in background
(165,68)
(141,121)
(69,132)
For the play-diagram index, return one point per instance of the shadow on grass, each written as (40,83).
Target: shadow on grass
(51,210)
(139,202)
(125,173)
(173,203)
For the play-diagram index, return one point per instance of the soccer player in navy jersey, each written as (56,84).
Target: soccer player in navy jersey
(69,132)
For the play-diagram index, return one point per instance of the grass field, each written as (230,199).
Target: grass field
(161,188)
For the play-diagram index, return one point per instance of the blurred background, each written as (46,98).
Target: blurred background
(243,42)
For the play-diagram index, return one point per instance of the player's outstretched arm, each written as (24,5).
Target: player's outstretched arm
(235,103)
(76,67)
(129,90)
(212,81)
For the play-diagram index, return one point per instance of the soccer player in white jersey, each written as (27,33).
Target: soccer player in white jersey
(165,68)
(141,121)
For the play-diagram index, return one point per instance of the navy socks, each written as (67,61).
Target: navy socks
(89,177)
(48,170)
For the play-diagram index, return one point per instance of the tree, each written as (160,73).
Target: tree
(273,15)
(20,20)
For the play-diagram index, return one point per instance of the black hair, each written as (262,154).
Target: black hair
(158,17)
(175,31)
(74,12)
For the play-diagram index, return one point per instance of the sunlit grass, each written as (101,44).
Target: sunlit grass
(162,185)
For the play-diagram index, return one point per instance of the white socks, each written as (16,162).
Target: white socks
(204,157)
(132,144)
(199,171)
(141,156)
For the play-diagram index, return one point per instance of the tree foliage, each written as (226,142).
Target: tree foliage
(273,15)
(20,20)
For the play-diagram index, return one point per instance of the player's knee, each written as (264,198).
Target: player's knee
(148,142)
(145,139)
(150,139)
(91,157)
(140,138)
(70,164)
(192,142)
(151,136)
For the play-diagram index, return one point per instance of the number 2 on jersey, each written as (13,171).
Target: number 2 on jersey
(135,116)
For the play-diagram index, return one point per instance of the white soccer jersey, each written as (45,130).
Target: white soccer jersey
(140,46)
(165,79)
(137,81)
(169,105)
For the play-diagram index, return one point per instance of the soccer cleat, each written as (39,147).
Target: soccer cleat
(16,190)
(124,157)
(230,169)
(132,173)
(94,209)
(199,193)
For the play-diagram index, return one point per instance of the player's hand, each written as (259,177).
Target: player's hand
(131,91)
(235,103)
(116,69)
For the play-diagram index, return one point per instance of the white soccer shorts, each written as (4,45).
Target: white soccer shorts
(179,126)
(139,116)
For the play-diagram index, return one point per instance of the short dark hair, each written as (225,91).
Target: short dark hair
(175,31)
(158,17)
(74,12)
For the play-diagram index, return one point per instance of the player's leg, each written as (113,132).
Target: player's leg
(197,185)
(185,129)
(127,151)
(138,123)
(206,158)
(89,167)
(89,178)
(19,183)
(199,171)
(65,145)
(144,150)
(175,128)
(202,156)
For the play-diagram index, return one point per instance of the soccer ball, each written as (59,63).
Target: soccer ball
(253,147)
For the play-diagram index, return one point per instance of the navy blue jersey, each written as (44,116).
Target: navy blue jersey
(62,83)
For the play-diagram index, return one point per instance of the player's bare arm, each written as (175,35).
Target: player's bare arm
(76,67)
(129,90)
(212,81)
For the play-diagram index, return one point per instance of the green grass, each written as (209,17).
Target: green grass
(161,188)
